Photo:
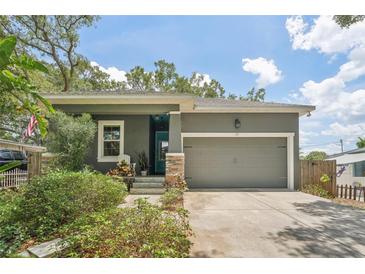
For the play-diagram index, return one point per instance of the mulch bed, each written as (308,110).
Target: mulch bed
(348,202)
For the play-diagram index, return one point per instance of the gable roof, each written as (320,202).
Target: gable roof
(187,102)
(348,157)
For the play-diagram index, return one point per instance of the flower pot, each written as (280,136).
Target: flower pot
(143,172)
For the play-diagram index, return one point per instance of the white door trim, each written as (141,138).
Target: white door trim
(288,135)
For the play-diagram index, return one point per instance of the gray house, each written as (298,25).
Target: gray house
(213,143)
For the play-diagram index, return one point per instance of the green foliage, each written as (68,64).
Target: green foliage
(172,198)
(48,202)
(12,235)
(316,155)
(317,190)
(165,79)
(52,38)
(17,94)
(255,95)
(143,160)
(345,21)
(143,231)
(325,179)
(70,137)
(9,166)
(360,143)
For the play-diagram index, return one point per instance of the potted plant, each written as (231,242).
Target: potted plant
(143,163)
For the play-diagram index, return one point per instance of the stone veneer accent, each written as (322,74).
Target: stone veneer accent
(175,163)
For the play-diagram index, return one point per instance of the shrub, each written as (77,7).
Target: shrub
(12,235)
(176,182)
(142,161)
(172,199)
(50,201)
(123,169)
(143,231)
(317,190)
(70,138)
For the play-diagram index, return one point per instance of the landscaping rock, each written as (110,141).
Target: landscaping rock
(46,249)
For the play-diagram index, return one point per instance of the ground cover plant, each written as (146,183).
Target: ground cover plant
(37,210)
(142,231)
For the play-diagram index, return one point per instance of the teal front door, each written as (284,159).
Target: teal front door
(161,148)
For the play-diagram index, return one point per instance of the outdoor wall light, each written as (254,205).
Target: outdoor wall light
(237,123)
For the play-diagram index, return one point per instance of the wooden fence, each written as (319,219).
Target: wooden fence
(13,178)
(311,172)
(350,192)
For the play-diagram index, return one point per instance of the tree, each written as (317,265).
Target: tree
(345,21)
(70,137)
(165,79)
(50,37)
(164,75)
(17,95)
(361,142)
(232,96)
(255,95)
(139,80)
(316,155)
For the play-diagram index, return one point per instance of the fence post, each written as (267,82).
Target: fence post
(350,192)
(34,165)
(355,188)
(341,190)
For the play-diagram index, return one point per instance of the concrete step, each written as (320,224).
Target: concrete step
(147,191)
(150,179)
(147,185)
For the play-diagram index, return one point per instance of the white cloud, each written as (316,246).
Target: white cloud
(115,73)
(267,71)
(201,79)
(324,35)
(305,136)
(330,95)
(340,110)
(337,129)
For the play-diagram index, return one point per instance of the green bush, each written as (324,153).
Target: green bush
(172,198)
(144,231)
(50,201)
(317,190)
(12,235)
(70,138)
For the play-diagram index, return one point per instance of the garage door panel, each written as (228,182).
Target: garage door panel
(235,162)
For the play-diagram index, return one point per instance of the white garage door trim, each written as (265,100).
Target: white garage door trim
(289,141)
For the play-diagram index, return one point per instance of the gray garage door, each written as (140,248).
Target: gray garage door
(235,162)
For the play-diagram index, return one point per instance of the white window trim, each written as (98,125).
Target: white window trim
(289,141)
(101,124)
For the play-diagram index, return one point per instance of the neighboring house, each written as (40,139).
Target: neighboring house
(213,143)
(350,167)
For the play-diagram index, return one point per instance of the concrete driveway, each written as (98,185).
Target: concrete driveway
(273,224)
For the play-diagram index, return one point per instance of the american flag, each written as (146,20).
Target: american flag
(30,128)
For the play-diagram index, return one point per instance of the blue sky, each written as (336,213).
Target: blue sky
(301,49)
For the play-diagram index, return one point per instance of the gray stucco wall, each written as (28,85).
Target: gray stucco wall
(250,122)
(174,133)
(136,134)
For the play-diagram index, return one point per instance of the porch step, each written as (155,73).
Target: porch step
(149,191)
(150,179)
(147,185)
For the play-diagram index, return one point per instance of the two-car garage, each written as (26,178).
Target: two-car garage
(222,161)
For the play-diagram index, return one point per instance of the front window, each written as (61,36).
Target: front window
(110,140)
(359,169)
